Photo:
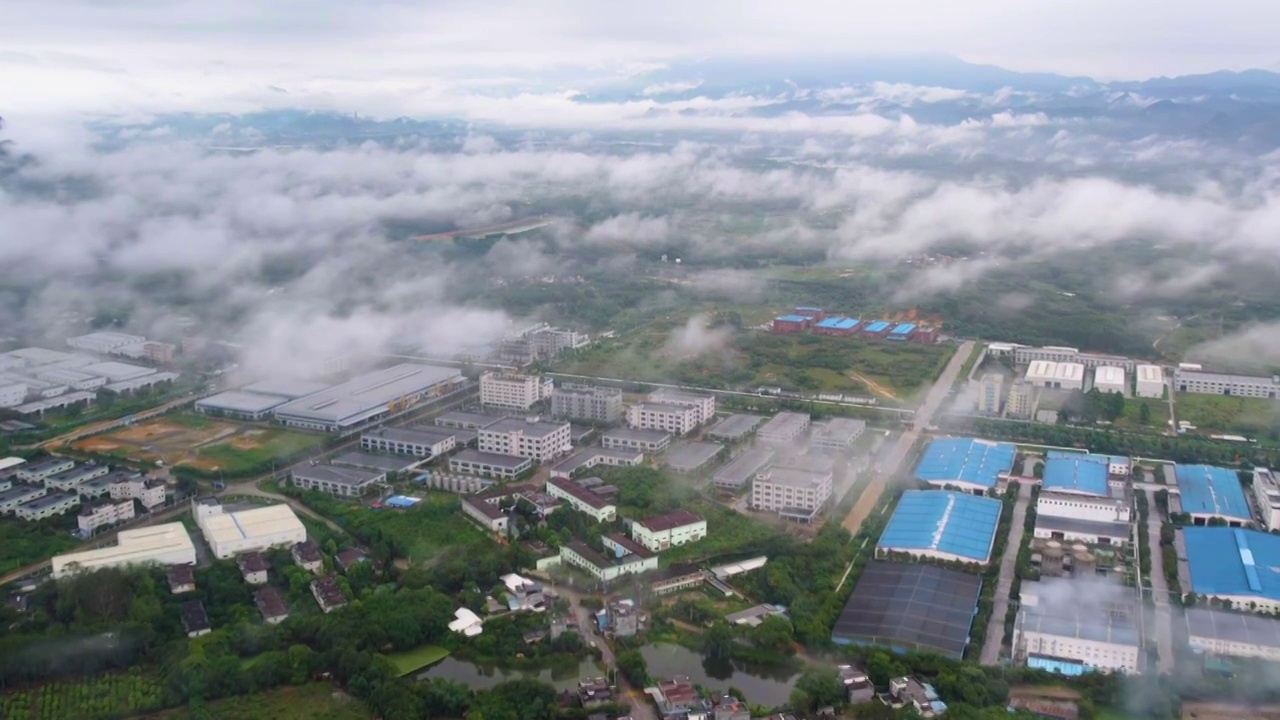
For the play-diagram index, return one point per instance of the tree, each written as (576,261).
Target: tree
(1144,414)
(1037,470)
(775,634)
(632,665)
(718,641)
(818,687)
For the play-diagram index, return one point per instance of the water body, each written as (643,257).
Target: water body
(482,677)
(765,685)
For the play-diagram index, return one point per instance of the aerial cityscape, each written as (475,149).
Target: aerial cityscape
(677,362)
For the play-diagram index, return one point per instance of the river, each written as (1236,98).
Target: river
(481,677)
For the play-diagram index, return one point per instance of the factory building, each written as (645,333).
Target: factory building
(135,486)
(514,391)
(742,468)
(12,498)
(1084,499)
(674,419)
(1109,379)
(647,441)
(838,326)
(1234,565)
(1023,355)
(167,544)
(1266,494)
(257,529)
(340,481)
(532,438)
(622,557)
(966,463)
(943,525)
(1150,381)
(990,393)
(876,329)
(240,404)
(901,332)
(837,433)
(705,405)
(488,464)
(1206,492)
(36,472)
(104,342)
(421,441)
(693,456)
(670,530)
(588,458)
(786,324)
(587,403)
(12,394)
(47,506)
(105,513)
(1021,400)
(459,420)
(814,314)
(368,397)
(582,499)
(910,607)
(735,428)
(1222,633)
(1209,383)
(1073,627)
(793,493)
(783,428)
(71,479)
(1060,376)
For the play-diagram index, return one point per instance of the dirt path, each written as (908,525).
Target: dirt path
(866,503)
(873,386)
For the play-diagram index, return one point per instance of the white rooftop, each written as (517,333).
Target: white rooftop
(238,401)
(367,394)
(1150,373)
(1069,371)
(1108,375)
(247,524)
(168,543)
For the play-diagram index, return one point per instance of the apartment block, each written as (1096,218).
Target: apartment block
(538,440)
(587,403)
(514,391)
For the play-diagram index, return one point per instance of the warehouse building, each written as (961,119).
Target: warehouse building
(514,391)
(1023,355)
(487,464)
(735,428)
(943,525)
(104,513)
(167,544)
(1207,492)
(1059,376)
(670,530)
(36,472)
(40,407)
(792,493)
(837,433)
(19,495)
(1150,381)
(786,324)
(340,481)
(587,403)
(117,371)
(910,607)
(675,419)
(290,388)
(256,529)
(621,557)
(693,456)
(47,506)
(421,441)
(104,342)
(901,332)
(839,326)
(139,383)
(240,404)
(588,458)
(1077,474)
(1266,494)
(1234,565)
(1108,379)
(582,499)
(374,461)
(704,404)
(1223,633)
(783,428)
(539,440)
(369,396)
(1211,383)
(966,463)
(876,329)
(460,420)
(742,469)
(646,441)
(1073,627)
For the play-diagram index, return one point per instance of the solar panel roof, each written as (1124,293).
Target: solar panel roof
(1231,561)
(969,460)
(950,522)
(1086,474)
(922,607)
(1209,490)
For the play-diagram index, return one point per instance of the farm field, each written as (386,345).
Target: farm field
(417,658)
(105,696)
(1251,417)
(201,443)
(316,701)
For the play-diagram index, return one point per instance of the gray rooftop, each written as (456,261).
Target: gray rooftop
(1228,378)
(370,461)
(637,435)
(784,423)
(495,459)
(337,475)
(792,477)
(1088,527)
(1235,627)
(735,427)
(54,498)
(285,388)
(366,395)
(1066,607)
(659,407)
(840,429)
(467,419)
(415,435)
(586,455)
(238,401)
(693,455)
(744,467)
(18,492)
(677,397)
(536,428)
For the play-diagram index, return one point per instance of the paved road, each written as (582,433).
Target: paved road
(1159,588)
(992,646)
(641,707)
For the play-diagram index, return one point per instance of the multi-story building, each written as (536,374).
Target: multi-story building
(587,403)
(36,472)
(419,441)
(1021,401)
(990,393)
(147,491)
(791,491)
(13,497)
(46,506)
(271,605)
(837,433)
(648,441)
(622,557)
(101,514)
(582,499)
(488,464)
(674,419)
(588,458)
(536,439)
(71,479)
(328,594)
(307,555)
(253,568)
(345,482)
(705,404)
(1211,383)
(485,508)
(674,528)
(514,391)
(783,428)
(1266,493)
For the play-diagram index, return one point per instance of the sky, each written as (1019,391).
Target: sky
(153,55)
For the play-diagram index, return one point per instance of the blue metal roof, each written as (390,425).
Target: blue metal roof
(947,521)
(903,329)
(1233,561)
(838,323)
(1077,473)
(878,326)
(969,460)
(1209,490)
(792,318)
(809,308)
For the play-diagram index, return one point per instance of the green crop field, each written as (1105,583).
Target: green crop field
(1252,417)
(314,702)
(252,450)
(420,533)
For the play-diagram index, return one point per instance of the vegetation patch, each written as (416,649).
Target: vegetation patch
(89,698)
(1253,417)
(417,658)
(316,701)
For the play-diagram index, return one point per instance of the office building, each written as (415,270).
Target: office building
(232,533)
(942,525)
(514,391)
(1150,382)
(837,433)
(539,440)
(370,396)
(587,403)
(704,404)
(990,394)
(674,419)
(791,492)
(341,481)
(646,441)
(167,544)
(422,441)
(103,514)
(672,529)
(783,428)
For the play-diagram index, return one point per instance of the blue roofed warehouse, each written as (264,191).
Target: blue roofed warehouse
(1242,566)
(1208,492)
(945,525)
(1078,474)
(966,463)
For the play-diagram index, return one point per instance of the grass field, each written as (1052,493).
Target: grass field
(1220,413)
(418,658)
(314,702)
(432,526)
(1159,411)
(196,441)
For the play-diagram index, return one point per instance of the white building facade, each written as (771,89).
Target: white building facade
(674,419)
(779,489)
(1209,383)
(670,530)
(514,391)
(1150,381)
(93,517)
(537,440)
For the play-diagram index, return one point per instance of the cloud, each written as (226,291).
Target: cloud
(697,337)
(631,229)
(671,88)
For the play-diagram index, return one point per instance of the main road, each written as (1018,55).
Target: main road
(1163,619)
(1004,584)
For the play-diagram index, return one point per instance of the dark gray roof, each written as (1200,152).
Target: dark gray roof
(494,459)
(1233,627)
(692,455)
(735,427)
(637,435)
(371,461)
(1087,527)
(337,475)
(914,606)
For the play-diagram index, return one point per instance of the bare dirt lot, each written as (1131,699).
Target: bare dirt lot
(1226,711)
(199,442)
(866,503)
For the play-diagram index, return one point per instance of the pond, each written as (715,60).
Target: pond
(764,685)
(479,677)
